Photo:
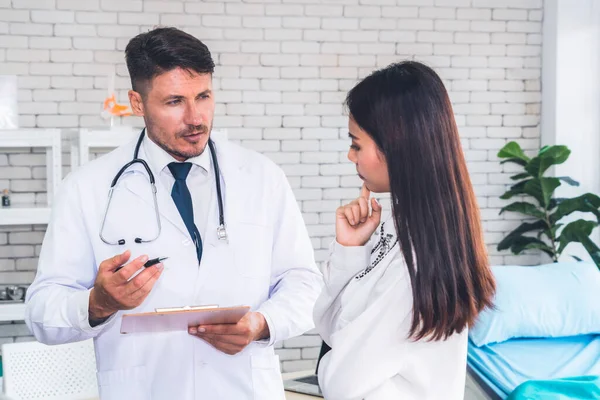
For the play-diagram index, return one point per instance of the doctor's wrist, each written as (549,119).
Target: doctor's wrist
(262,331)
(97,313)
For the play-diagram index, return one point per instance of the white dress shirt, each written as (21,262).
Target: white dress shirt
(200,181)
(364,313)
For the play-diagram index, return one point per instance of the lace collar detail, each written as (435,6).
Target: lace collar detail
(386,243)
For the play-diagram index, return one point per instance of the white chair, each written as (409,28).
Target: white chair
(34,371)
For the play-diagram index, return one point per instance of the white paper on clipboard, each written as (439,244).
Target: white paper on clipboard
(180,318)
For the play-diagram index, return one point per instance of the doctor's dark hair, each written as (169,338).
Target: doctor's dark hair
(406,110)
(161,50)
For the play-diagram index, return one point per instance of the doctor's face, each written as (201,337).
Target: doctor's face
(369,160)
(178,109)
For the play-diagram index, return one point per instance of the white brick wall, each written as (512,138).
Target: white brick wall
(283,69)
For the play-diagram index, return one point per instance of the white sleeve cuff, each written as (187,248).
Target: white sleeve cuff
(79,314)
(349,260)
(270,341)
(344,263)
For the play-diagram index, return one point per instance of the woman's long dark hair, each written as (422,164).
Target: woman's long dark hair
(406,110)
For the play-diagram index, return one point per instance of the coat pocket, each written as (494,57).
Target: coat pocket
(266,377)
(127,383)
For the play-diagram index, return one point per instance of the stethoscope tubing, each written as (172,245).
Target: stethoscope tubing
(221,231)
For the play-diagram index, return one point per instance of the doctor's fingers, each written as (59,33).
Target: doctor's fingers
(124,274)
(114,262)
(227,340)
(226,348)
(139,287)
(242,328)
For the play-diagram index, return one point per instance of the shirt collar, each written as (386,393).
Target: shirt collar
(158,158)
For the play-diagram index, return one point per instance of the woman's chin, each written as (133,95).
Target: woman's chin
(375,188)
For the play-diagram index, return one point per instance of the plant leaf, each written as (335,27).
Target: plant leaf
(524,208)
(512,150)
(508,241)
(512,153)
(519,186)
(547,157)
(541,189)
(555,202)
(587,202)
(551,232)
(515,190)
(568,180)
(527,243)
(576,231)
(522,175)
(514,160)
(509,195)
(579,231)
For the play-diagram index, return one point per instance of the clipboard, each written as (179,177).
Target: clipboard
(180,318)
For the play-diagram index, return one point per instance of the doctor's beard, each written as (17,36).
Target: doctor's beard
(193,134)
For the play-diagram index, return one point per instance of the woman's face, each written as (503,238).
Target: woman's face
(370,162)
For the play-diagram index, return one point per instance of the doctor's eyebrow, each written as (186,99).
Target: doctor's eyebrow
(207,92)
(179,97)
(351,136)
(174,97)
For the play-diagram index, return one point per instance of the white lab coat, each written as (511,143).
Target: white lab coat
(365,316)
(268,264)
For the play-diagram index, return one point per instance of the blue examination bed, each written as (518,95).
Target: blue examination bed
(499,368)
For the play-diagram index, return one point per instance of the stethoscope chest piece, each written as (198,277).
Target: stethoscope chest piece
(222,233)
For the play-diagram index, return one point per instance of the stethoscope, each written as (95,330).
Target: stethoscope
(221,231)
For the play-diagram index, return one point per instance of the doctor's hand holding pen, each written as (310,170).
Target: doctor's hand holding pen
(114,289)
(353,224)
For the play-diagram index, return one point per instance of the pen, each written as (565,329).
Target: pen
(154,261)
(149,263)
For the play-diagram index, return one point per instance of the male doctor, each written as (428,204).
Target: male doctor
(90,252)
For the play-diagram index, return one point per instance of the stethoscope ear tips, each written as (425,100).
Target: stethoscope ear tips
(138,240)
(121,242)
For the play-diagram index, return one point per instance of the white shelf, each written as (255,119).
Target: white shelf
(12,312)
(50,139)
(25,215)
(83,140)
(29,137)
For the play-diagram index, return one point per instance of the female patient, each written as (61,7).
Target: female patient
(399,295)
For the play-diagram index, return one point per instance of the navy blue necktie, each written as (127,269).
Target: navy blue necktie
(183,200)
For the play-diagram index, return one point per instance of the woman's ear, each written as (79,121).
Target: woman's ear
(137,105)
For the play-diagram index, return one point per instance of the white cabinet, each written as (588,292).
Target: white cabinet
(83,140)
(12,312)
(50,139)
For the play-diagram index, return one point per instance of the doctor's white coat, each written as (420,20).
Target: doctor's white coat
(268,264)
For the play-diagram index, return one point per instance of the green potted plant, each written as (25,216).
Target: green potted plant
(544,230)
